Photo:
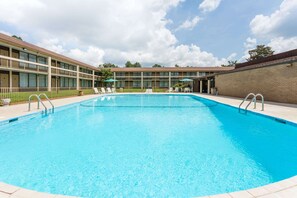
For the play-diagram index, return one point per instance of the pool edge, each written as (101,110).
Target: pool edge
(283,188)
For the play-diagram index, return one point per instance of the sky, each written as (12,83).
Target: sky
(165,32)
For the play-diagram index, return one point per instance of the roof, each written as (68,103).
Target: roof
(22,44)
(171,69)
(279,58)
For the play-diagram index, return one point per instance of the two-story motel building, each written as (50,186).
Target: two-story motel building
(27,67)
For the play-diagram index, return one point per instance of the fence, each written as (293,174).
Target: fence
(18,95)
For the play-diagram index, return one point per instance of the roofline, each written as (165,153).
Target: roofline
(23,44)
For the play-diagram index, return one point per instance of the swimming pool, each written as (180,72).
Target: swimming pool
(146,145)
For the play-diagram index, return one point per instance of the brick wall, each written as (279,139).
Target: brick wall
(276,83)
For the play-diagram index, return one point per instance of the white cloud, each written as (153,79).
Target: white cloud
(282,22)
(209,5)
(189,24)
(92,55)
(281,44)
(105,31)
(249,44)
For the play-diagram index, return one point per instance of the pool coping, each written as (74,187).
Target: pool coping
(283,188)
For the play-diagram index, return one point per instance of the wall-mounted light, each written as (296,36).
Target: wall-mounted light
(25,49)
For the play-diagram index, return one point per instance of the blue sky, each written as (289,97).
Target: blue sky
(224,30)
(167,32)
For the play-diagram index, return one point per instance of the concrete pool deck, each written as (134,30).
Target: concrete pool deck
(282,189)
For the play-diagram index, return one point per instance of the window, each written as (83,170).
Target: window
(147,73)
(147,84)
(191,74)
(32,58)
(120,74)
(136,84)
(24,80)
(23,56)
(120,84)
(136,73)
(164,73)
(42,80)
(174,73)
(164,83)
(32,80)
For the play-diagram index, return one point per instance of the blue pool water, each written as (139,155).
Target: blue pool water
(146,146)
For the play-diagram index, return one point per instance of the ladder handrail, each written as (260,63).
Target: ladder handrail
(38,98)
(262,99)
(250,94)
(43,94)
(254,99)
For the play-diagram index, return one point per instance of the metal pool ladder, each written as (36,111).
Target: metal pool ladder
(40,101)
(254,99)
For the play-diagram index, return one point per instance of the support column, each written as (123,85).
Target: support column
(10,72)
(37,82)
(93,79)
(141,81)
(49,74)
(10,81)
(114,77)
(201,86)
(77,77)
(169,82)
(208,86)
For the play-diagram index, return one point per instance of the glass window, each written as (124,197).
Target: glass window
(42,81)
(24,56)
(164,83)
(147,73)
(32,58)
(147,84)
(174,73)
(23,80)
(32,80)
(120,84)
(164,73)
(136,84)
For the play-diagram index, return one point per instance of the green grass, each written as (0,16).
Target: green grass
(19,97)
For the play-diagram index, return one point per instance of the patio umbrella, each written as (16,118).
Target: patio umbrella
(186,80)
(110,80)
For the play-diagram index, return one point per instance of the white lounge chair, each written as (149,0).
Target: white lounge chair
(103,90)
(96,90)
(170,90)
(149,91)
(187,90)
(113,90)
(176,89)
(108,90)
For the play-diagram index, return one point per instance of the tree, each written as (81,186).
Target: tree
(17,37)
(230,63)
(156,65)
(261,51)
(176,65)
(108,65)
(106,74)
(137,64)
(129,64)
